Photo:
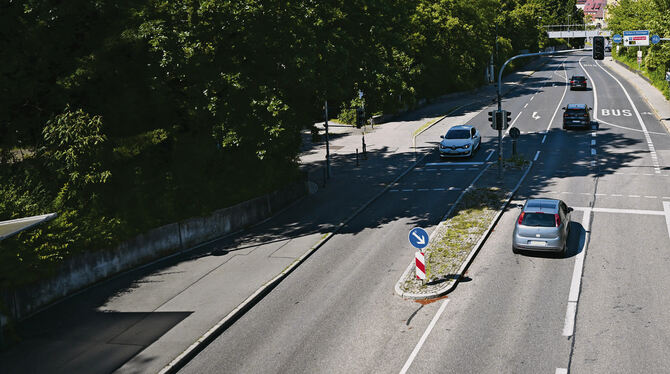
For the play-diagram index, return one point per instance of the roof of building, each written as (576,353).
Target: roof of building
(595,8)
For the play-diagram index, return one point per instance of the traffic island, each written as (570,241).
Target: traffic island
(459,236)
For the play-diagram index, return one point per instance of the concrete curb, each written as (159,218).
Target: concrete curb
(468,260)
(249,302)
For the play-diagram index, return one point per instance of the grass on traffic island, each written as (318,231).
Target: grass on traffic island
(456,238)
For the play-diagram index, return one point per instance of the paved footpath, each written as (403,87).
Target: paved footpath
(142,320)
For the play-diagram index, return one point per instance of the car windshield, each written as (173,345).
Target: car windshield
(458,134)
(538,219)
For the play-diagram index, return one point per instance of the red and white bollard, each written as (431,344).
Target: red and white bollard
(420,266)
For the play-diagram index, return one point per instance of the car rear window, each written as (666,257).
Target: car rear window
(575,111)
(458,134)
(538,220)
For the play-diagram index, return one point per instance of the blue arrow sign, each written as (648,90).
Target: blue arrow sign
(418,238)
(655,39)
(617,38)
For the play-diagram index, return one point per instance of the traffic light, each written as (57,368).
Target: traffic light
(598,48)
(499,120)
(508,119)
(492,119)
(360,117)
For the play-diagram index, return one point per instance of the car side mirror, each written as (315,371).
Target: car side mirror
(441,136)
(563,108)
(570,209)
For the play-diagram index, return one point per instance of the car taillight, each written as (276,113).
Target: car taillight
(586,114)
(558,220)
(521,217)
(572,81)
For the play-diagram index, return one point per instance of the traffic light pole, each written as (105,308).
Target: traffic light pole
(500,73)
(327,143)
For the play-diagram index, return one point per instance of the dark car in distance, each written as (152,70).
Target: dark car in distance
(578,82)
(576,115)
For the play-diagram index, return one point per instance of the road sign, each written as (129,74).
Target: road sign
(636,38)
(667,76)
(514,133)
(418,238)
(655,39)
(616,39)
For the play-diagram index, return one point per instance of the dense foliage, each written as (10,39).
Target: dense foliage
(122,116)
(652,15)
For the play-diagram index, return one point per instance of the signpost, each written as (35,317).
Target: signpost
(617,39)
(418,238)
(639,38)
(655,39)
(639,58)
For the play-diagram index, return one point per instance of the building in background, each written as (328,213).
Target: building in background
(594,11)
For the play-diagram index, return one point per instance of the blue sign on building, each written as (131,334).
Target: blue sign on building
(418,238)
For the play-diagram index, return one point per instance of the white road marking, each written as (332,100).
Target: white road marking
(525,105)
(453,163)
(651,197)
(593,134)
(532,97)
(423,189)
(408,190)
(439,189)
(394,190)
(593,142)
(652,150)
(593,151)
(593,163)
(576,283)
(616,195)
(633,195)
(601,194)
(431,169)
(561,371)
(622,211)
(559,101)
(544,138)
(666,210)
(460,169)
(490,154)
(536,156)
(432,323)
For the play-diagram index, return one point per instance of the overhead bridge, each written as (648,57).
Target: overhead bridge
(577,34)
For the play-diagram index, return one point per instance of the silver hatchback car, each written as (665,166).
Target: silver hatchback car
(543,225)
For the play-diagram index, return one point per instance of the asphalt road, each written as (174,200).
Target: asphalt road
(602,308)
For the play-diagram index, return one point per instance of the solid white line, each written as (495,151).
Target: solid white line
(561,371)
(409,361)
(666,210)
(536,156)
(544,138)
(650,144)
(624,211)
(560,102)
(453,163)
(575,284)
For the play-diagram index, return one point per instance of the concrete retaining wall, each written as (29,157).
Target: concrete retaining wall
(91,267)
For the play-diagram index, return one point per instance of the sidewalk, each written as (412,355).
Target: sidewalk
(142,320)
(651,94)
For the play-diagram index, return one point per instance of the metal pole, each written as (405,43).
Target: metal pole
(327,143)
